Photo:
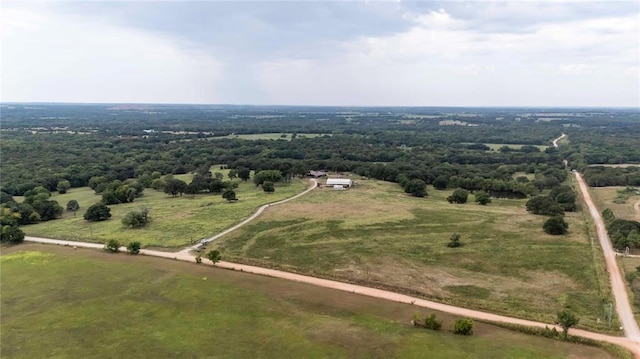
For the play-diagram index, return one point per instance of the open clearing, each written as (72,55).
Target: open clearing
(604,196)
(176,221)
(376,235)
(120,306)
(630,265)
(497,146)
(272,136)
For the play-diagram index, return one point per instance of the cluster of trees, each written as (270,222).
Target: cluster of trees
(622,232)
(560,199)
(136,219)
(37,206)
(601,176)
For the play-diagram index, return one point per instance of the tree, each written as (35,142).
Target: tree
(244,173)
(441,182)
(267,176)
(11,233)
(175,186)
(134,219)
(214,256)
(566,319)
(463,327)
(97,212)
(268,187)
(5,197)
(112,246)
(133,247)
(63,186)
(229,195)
(454,241)
(459,195)
(73,206)
(416,187)
(555,225)
(482,198)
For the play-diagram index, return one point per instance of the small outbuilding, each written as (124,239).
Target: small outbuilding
(342,182)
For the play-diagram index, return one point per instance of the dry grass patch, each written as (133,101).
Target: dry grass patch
(604,196)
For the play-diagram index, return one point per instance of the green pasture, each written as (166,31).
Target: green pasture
(376,234)
(273,136)
(497,146)
(61,303)
(629,266)
(176,221)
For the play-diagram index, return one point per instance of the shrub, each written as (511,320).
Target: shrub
(432,323)
(133,248)
(555,225)
(112,246)
(463,327)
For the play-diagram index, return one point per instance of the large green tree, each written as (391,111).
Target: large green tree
(556,225)
(416,187)
(97,212)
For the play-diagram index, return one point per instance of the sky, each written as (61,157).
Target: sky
(343,53)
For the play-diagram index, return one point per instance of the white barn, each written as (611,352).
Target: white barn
(342,182)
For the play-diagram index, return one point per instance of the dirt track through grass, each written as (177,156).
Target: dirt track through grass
(353,235)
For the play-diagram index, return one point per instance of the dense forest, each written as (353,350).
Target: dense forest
(43,144)
(119,150)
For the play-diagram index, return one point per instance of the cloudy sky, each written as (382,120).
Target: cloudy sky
(427,53)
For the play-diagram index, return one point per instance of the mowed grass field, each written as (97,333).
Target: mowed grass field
(377,235)
(57,302)
(176,221)
(604,196)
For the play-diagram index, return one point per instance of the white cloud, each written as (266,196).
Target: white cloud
(49,57)
(444,61)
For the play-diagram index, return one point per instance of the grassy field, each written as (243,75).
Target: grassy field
(88,304)
(497,146)
(272,136)
(629,266)
(376,234)
(175,221)
(604,196)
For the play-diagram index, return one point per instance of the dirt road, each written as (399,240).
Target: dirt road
(555,142)
(632,345)
(314,184)
(623,307)
(636,206)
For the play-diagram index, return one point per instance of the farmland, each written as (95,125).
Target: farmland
(176,221)
(217,313)
(507,264)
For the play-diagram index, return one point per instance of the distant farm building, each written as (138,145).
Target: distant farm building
(339,183)
(316,174)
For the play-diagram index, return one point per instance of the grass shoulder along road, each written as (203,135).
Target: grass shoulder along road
(100,304)
(175,221)
(376,235)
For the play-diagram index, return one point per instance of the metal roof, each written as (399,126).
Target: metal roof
(339,181)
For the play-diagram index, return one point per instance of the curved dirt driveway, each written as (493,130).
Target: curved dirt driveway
(623,307)
(555,142)
(251,218)
(632,345)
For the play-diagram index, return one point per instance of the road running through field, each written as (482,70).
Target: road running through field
(314,184)
(634,346)
(623,307)
(636,206)
(631,342)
